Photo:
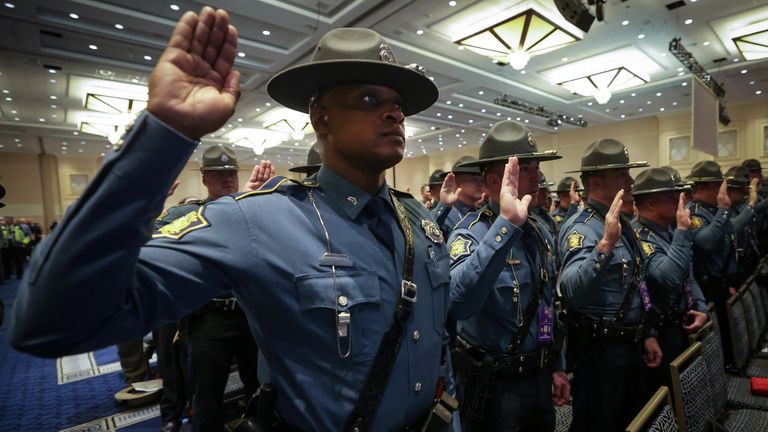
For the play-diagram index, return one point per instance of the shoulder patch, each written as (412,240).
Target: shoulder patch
(584,215)
(460,247)
(696,222)
(575,240)
(177,229)
(648,248)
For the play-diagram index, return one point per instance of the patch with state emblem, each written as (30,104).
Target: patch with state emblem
(432,231)
(575,240)
(460,247)
(696,222)
(177,229)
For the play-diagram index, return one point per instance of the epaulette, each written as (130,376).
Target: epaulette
(584,215)
(643,233)
(273,184)
(473,217)
(179,210)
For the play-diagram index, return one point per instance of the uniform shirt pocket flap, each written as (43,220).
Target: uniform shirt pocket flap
(315,290)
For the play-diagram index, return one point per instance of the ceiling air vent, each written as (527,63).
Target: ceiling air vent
(675,5)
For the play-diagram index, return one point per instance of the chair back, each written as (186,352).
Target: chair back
(750,315)
(712,353)
(690,388)
(657,415)
(738,327)
(757,297)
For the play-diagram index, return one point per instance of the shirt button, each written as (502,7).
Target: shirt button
(417,387)
(342,300)
(498,239)
(416,335)
(504,230)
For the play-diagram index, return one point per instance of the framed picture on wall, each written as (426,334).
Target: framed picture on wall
(679,148)
(727,143)
(77,183)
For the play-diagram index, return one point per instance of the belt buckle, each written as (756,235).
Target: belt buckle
(230,304)
(408,291)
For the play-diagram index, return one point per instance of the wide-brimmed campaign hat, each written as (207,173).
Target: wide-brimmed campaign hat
(706,171)
(543,183)
(459,169)
(565,185)
(219,158)
(348,56)
(737,177)
(752,165)
(313,162)
(678,178)
(605,154)
(655,180)
(509,138)
(436,178)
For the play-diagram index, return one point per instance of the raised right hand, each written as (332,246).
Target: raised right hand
(449,193)
(753,185)
(612,231)
(512,208)
(683,214)
(575,195)
(722,196)
(193,87)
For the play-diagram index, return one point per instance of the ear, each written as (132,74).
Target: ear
(319,119)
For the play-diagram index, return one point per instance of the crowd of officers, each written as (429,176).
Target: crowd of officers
(17,239)
(370,311)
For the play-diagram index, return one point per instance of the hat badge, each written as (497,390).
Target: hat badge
(224,158)
(386,55)
(531,141)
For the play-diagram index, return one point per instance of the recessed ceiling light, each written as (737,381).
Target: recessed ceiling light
(658,94)
(621,101)
(75,133)
(518,118)
(685,83)
(662,54)
(623,115)
(735,60)
(439,114)
(41,119)
(241,54)
(674,103)
(483,110)
(565,59)
(53,97)
(266,32)
(451,3)
(607,110)
(633,94)
(102,154)
(526,120)
(268,104)
(14,112)
(471,121)
(522,72)
(759,92)
(450,116)
(751,83)
(661,109)
(148,58)
(480,92)
(589,103)
(461,47)
(648,103)
(54,106)
(743,71)
(53,71)
(680,73)
(16,140)
(6,91)
(431,78)
(641,36)
(9,5)
(461,106)
(174,7)
(52,81)
(419,32)
(448,102)
(74,16)
(625,22)
(79,150)
(19,145)
(119,26)
(9,99)
(16,119)
(706,43)
(93,47)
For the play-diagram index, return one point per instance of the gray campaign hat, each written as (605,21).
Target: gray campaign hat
(706,171)
(752,165)
(676,175)
(436,177)
(737,177)
(543,183)
(509,138)
(219,158)
(655,180)
(348,56)
(607,154)
(313,162)
(565,185)
(458,167)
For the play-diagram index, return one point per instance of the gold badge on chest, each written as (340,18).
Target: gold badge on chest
(432,231)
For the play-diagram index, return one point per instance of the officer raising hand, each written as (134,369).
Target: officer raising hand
(612,225)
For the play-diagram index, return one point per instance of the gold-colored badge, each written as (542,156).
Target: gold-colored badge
(696,222)
(648,248)
(191,221)
(460,247)
(557,218)
(575,240)
(432,231)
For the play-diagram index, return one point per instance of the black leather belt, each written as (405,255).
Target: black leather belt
(228,305)
(505,363)
(606,331)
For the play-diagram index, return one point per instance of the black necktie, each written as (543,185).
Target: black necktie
(375,211)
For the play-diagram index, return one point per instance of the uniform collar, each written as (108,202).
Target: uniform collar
(602,208)
(653,226)
(494,206)
(463,208)
(708,207)
(349,197)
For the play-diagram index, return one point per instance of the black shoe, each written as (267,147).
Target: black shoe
(171,426)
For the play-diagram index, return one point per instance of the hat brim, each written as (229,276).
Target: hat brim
(459,170)
(705,179)
(568,190)
(546,185)
(638,164)
(305,168)
(294,87)
(673,189)
(221,168)
(541,157)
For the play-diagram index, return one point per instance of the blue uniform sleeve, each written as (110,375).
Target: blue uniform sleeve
(582,265)
(476,264)
(743,219)
(446,217)
(572,209)
(87,285)
(761,205)
(671,269)
(709,238)
(699,302)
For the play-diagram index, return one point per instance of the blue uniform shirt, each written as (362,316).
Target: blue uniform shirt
(95,281)
(714,251)
(490,256)
(668,267)
(448,216)
(593,284)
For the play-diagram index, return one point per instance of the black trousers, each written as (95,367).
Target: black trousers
(171,365)
(133,360)
(521,403)
(216,338)
(672,341)
(607,387)
(13,261)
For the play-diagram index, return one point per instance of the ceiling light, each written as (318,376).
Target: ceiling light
(674,103)
(518,36)
(589,103)
(641,36)
(54,106)
(6,91)
(480,92)
(658,94)
(174,7)
(93,47)
(688,21)
(448,102)
(625,22)
(735,60)
(241,54)
(147,58)
(119,26)
(266,32)
(74,16)
(53,97)
(633,94)
(419,32)
(42,120)
(661,109)
(52,81)
(115,102)
(451,3)
(461,105)
(601,84)
(623,116)
(53,71)
(522,72)
(706,43)
(14,112)
(9,99)
(751,83)
(759,92)
(9,5)
(743,71)
(16,119)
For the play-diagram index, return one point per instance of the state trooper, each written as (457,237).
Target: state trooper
(540,206)
(568,193)
(503,273)
(742,192)
(435,183)
(663,227)
(601,281)
(336,274)
(314,160)
(216,334)
(462,187)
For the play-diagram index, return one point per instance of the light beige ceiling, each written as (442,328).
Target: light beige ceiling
(39,36)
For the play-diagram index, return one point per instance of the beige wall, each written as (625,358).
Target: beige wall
(40,186)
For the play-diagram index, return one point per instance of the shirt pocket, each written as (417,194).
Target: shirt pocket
(439,270)
(358,293)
